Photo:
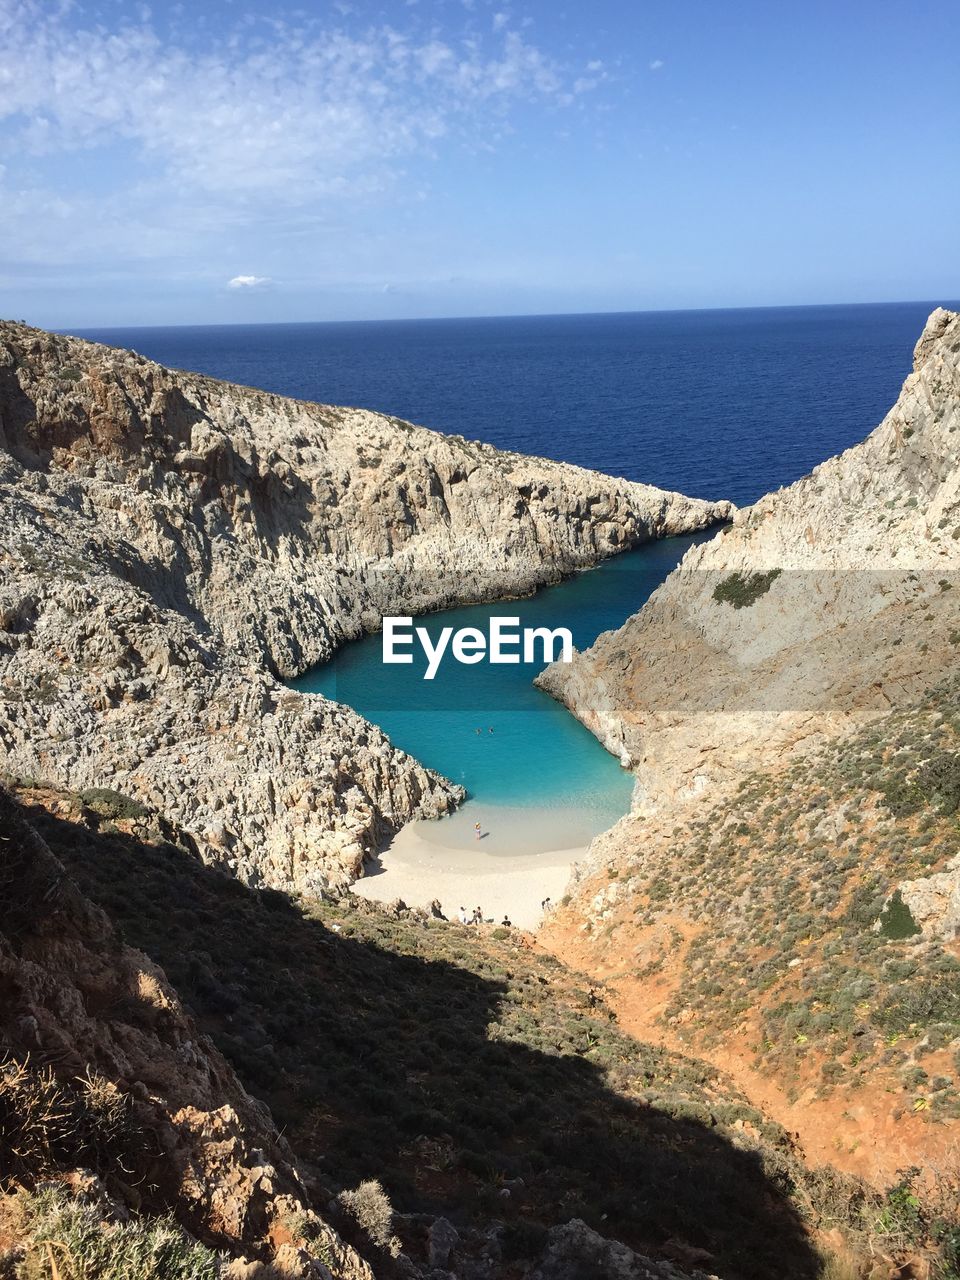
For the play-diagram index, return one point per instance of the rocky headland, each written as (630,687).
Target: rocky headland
(174,546)
(820,607)
(784,896)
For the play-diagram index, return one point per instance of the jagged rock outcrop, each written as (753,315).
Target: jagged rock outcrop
(821,606)
(173,544)
(934,901)
(101,1017)
(574,1251)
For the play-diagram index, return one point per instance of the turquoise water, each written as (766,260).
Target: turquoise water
(487,726)
(716,404)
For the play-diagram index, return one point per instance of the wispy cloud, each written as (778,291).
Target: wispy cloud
(255,126)
(656,64)
(248,282)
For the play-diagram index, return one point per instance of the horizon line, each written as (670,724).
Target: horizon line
(527,315)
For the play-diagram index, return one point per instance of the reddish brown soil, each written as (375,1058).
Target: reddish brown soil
(867,1133)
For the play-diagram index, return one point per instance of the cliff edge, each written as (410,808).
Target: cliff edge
(172,545)
(820,607)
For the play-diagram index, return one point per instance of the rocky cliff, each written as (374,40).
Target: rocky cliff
(821,606)
(173,544)
(783,899)
(109,1089)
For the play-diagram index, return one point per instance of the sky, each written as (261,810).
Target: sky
(234,161)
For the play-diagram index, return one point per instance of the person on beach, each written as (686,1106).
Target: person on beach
(462,916)
(505,923)
(477,916)
(476,829)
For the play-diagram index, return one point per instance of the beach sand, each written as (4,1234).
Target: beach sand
(525,855)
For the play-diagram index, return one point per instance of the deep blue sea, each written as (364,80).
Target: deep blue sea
(717,404)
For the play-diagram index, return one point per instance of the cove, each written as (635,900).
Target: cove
(535,778)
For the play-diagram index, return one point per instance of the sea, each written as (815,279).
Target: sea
(715,404)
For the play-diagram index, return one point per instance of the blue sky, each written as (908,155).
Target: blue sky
(221,160)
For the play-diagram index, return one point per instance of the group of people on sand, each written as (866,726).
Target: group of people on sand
(476,917)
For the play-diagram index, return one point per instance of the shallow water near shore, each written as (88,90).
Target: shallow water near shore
(536,778)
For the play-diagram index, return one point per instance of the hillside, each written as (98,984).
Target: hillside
(117,1114)
(784,897)
(516,1130)
(801,930)
(822,605)
(171,545)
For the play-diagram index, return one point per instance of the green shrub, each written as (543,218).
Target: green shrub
(112,804)
(67,1239)
(896,919)
(744,589)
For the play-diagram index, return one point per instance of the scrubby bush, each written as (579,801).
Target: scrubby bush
(68,1239)
(744,589)
(112,804)
(370,1207)
(47,1124)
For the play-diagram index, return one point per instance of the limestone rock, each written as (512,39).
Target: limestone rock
(574,1250)
(443,1239)
(173,544)
(822,606)
(934,901)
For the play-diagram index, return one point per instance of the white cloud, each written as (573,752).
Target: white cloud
(248,282)
(583,84)
(656,64)
(198,148)
(297,117)
(500,20)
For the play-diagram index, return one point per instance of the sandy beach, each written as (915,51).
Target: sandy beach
(523,857)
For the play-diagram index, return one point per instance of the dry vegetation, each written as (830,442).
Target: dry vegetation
(424,1068)
(790,887)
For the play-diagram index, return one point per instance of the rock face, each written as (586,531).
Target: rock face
(822,606)
(934,901)
(574,1251)
(173,544)
(94,1011)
